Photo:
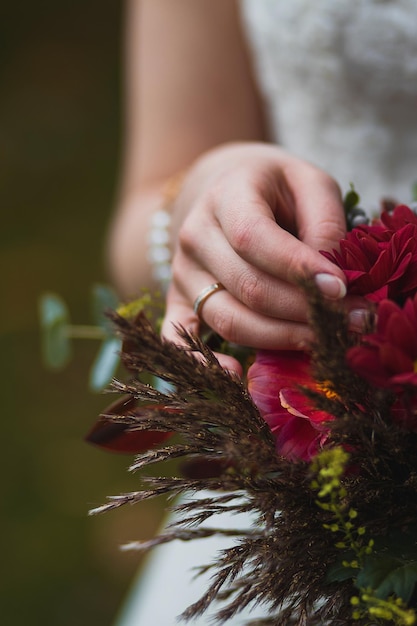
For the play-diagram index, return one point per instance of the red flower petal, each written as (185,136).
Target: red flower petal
(380,260)
(387,358)
(120,436)
(273,382)
(298,440)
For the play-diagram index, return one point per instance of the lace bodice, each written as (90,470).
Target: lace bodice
(339,80)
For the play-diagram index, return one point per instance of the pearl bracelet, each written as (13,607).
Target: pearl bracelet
(159,250)
(159,253)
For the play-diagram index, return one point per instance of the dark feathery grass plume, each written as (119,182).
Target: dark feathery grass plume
(334,534)
(216,419)
(284,560)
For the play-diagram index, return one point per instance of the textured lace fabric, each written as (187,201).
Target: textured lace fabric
(339,79)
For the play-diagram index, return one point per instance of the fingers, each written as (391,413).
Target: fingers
(235,322)
(179,313)
(250,226)
(254,310)
(266,276)
(285,257)
(256,228)
(320,215)
(257,290)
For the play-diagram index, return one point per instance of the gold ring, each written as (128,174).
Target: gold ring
(204,295)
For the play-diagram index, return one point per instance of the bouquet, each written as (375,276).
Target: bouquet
(321,446)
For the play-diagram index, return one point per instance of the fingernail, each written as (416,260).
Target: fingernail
(330,286)
(358,319)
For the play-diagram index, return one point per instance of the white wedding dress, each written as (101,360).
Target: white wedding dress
(339,80)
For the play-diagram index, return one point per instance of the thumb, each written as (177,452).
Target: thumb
(321,225)
(320,214)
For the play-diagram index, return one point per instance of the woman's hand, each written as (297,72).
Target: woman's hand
(253,218)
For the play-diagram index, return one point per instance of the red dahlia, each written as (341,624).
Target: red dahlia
(380,260)
(388,357)
(273,381)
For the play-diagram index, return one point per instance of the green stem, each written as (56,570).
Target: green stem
(85,332)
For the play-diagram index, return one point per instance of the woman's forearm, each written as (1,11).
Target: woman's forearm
(189,88)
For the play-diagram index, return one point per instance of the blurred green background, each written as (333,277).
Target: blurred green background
(60,143)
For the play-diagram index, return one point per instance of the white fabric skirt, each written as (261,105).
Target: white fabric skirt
(168,584)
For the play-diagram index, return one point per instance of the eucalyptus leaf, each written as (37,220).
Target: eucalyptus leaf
(375,570)
(105,364)
(387,576)
(400,581)
(103,298)
(339,572)
(54,321)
